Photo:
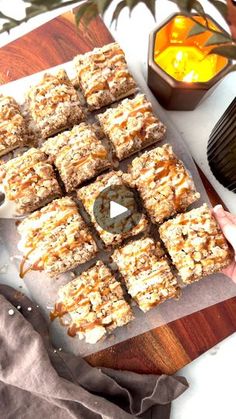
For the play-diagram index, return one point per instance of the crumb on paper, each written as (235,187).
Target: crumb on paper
(4,269)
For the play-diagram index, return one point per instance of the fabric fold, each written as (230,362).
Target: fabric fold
(38,381)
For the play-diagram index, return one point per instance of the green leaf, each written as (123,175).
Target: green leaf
(221,7)
(151,5)
(185,5)
(219,38)
(228,51)
(120,6)
(9,18)
(86,12)
(46,3)
(103,5)
(196,30)
(34,10)
(196,5)
(6,27)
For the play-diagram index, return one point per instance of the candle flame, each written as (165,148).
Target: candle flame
(189,77)
(179,56)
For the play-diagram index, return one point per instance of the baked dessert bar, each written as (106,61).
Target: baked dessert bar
(131,126)
(166,187)
(95,303)
(146,272)
(53,104)
(196,244)
(12,125)
(88,195)
(29,181)
(78,155)
(55,239)
(103,76)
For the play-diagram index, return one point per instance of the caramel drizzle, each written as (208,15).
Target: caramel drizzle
(16,180)
(34,266)
(46,230)
(148,118)
(100,61)
(169,168)
(80,298)
(93,156)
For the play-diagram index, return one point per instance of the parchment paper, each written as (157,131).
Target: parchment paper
(43,289)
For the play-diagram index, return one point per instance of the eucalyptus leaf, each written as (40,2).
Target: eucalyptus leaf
(196,5)
(87,11)
(120,6)
(228,51)
(196,30)
(103,5)
(151,5)
(132,3)
(185,5)
(45,3)
(6,27)
(34,10)
(221,7)
(217,39)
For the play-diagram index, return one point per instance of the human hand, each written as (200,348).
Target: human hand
(227,223)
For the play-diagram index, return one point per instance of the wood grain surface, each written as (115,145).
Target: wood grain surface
(164,349)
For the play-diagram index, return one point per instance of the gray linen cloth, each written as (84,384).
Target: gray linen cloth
(37,381)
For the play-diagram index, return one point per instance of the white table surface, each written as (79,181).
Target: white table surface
(211,376)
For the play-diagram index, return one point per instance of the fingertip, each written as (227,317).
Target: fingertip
(219,210)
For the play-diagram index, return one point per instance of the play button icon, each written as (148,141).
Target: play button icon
(116,209)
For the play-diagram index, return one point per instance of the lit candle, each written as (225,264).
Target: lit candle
(181,69)
(186,63)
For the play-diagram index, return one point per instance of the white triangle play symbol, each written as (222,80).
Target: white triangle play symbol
(116,209)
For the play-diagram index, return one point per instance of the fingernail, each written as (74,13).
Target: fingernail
(218,209)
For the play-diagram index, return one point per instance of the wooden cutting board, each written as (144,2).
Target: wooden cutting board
(164,349)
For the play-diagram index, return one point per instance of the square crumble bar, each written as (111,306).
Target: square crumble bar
(131,126)
(78,155)
(103,76)
(196,244)
(29,181)
(95,303)
(146,272)
(53,104)
(88,195)
(13,130)
(55,239)
(165,185)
